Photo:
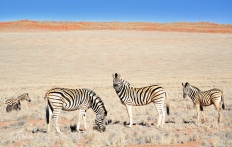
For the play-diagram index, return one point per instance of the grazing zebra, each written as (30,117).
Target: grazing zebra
(204,98)
(72,99)
(130,96)
(14,104)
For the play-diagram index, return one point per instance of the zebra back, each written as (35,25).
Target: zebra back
(11,101)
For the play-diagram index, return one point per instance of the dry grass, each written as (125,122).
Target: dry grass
(36,62)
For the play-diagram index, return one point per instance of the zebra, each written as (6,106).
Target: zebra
(14,104)
(72,99)
(130,96)
(204,98)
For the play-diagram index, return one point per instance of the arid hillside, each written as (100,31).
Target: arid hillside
(26,25)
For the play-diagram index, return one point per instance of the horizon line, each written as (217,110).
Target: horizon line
(115,21)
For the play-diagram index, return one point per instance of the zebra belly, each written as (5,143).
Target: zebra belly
(73,108)
(205,103)
(141,103)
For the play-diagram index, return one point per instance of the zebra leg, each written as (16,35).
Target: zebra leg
(197,109)
(219,114)
(160,113)
(201,107)
(79,121)
(82,115)
(84,118)
(163,118)
(129,111)
(163,115)
(56,113)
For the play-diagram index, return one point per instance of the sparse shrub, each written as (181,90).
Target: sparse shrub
(21,123)
(228,143)
(214,126)
(205,143)
(173,140)
(150,118)
(158,137)
(193,137)
(97,139)
(188,107)
(214,143)
(23,117)
(166,131)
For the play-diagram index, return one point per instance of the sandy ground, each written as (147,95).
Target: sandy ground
(34,62)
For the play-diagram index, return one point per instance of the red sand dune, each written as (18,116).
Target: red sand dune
(26,25)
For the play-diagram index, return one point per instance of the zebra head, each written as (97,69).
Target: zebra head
(99,121)
(118,82)
(25,96)
(186,89)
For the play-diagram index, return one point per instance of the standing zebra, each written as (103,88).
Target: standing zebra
(204,98)
(72,99)
(14,104)
(130,96)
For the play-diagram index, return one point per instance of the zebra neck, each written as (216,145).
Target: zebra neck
(97,105)
(21,97)
(193,93)
(122,91)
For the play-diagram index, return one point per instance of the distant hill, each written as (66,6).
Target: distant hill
(27,25)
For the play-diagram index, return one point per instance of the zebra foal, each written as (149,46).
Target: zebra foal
(14,104)
(130,96)
(72,99)
(204,98)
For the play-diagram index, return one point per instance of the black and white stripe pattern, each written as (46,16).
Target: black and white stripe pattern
(72,99)
(14,104)
(204,98)
(130,96)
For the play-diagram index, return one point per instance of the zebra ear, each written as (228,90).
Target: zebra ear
(187,84)
(113,75)
(119,75)
(183,84)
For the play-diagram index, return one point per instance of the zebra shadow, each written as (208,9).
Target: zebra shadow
(38,130)
(73,128)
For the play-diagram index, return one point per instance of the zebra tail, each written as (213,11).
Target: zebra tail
(47,115)
(223,105)
(47,107)
(167,104)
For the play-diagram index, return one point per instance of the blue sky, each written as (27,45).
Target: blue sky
(163,11)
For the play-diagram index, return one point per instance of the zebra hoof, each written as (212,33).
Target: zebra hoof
(129,126)
(158,126)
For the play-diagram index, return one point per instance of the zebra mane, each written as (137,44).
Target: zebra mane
(125,83)
(195,88)
(21,97)
(92,93)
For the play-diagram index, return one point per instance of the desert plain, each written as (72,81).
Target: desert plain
(35,61)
